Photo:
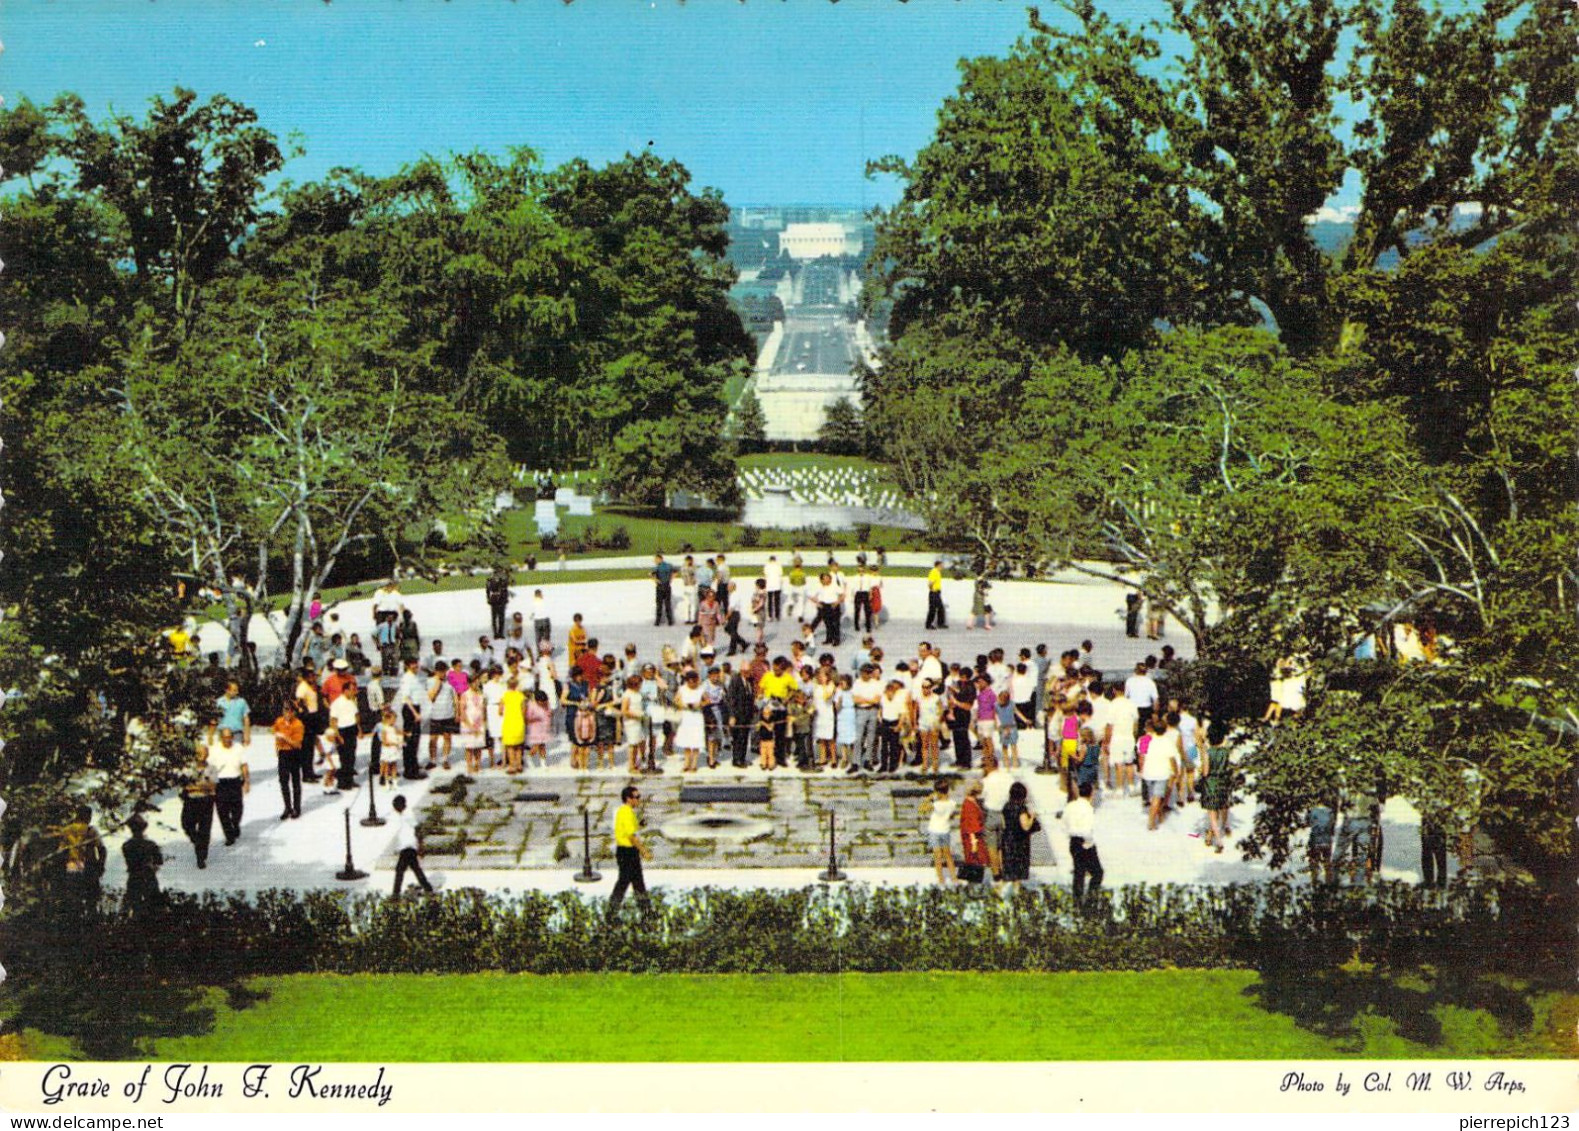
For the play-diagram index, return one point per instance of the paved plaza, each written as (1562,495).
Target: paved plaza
(491,841)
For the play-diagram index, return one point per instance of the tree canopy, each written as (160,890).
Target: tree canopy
(264,389)
(1074,376)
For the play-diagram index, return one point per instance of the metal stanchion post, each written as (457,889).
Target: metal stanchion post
(832,875)
(586,875)
(372,820)
(349,872)
(1047,766)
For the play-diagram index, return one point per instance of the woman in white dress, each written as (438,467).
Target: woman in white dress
(548,682)
(691,734)
(823,692)
(493,698)
(633,713)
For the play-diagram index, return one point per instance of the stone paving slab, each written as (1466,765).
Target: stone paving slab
(878,823)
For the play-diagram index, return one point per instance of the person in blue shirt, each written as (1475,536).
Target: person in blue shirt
(234,714)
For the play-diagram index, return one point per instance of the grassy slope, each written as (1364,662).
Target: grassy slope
(1175,1014)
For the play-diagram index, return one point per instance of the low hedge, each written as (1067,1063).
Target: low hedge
(213,940)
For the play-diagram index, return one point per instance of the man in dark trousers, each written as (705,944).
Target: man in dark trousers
(739,713)
(498,590)
(1080,822)
(232,781)
(629,851)
(1133,605)
(143,860)
(663,590)
(407,843)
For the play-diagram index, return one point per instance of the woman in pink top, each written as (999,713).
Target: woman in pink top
(707,616)
(474,727)
(457,678)
(539,722)
(986,716)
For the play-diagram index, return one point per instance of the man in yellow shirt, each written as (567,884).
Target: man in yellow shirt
(777,683)
(936,617)
(629,851)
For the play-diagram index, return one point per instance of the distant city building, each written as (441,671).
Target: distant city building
(819,240)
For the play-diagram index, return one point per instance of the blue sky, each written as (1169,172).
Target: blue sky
(772,102)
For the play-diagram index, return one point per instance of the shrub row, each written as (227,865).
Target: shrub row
(215,940)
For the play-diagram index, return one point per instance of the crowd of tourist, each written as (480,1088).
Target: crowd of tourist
(518,702)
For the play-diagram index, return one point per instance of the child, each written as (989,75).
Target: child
(799,730)
(539,718)
(1008,732)
(1086,772)
(1069,750)
(581,725)
(765,724)
(391,737)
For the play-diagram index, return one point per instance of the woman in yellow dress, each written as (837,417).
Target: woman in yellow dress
(512,736)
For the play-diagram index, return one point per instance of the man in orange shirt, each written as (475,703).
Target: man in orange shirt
(334,683)
(288,737)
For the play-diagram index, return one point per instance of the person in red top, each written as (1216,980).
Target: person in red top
(590,663)
(972,835)
(289,734)
(753,672)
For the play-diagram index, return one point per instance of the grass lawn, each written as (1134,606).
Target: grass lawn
(793,461)
(1171,1014)
(653,531)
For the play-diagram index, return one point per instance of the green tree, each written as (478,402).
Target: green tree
(1043,205)
(187,182)
(748,425)
(843,430)
(291,428)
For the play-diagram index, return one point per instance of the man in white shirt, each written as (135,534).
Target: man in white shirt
(1141,690)
(828,599)
(773,574)
(867,692)
(1158,768)
(227,761)
(411,693)
(998,672)
(1120,714)
(1022,689)
(407,846)
(1101,725)
(485,656)
(1080,824)
(865,582)
(995,788)
(931,664)
(387,605)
